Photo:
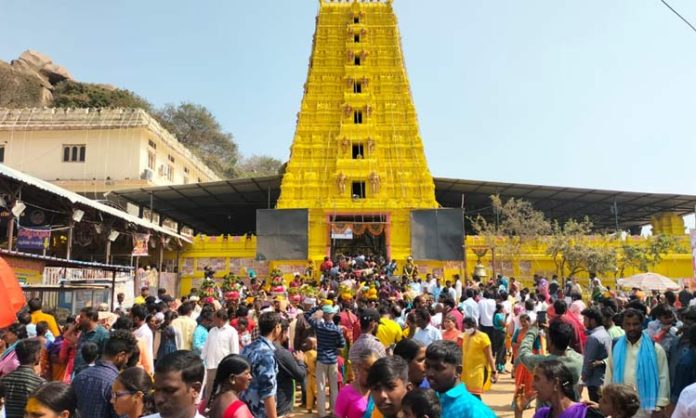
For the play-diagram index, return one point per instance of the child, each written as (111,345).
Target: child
(443,366)
(90,352)
(388,383)
(421,403)
(310,352)
(619,401)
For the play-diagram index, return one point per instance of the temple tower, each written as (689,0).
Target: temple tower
(357,150)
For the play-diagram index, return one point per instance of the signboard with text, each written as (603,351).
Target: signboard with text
(33,239)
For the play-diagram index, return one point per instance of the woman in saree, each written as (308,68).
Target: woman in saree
(524,389)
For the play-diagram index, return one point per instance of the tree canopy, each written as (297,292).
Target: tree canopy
(257,166)
(196,127)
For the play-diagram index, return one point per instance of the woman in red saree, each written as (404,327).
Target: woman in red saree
(524,378)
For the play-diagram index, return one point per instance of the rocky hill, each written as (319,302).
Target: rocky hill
(29,81)
(34,80)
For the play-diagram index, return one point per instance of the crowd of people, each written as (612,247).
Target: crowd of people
(358,338)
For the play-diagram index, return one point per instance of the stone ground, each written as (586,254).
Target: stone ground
(498,399)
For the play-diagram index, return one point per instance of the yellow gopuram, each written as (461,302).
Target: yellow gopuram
(357,158)
(357,182)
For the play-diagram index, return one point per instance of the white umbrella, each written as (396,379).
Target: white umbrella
(649,281)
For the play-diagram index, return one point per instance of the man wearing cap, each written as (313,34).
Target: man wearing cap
(369,323)
(329,341)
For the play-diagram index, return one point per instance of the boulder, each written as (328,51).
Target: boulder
(20,88)
(28,69)
(41,64)
(56,73)
(35,59)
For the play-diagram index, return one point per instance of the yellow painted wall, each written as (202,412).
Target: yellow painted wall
(237,252)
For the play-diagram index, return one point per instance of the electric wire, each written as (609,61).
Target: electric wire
(679,15)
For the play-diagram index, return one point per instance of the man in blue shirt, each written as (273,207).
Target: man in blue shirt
(443,366)
(261,395)
(93,385)
(329,340)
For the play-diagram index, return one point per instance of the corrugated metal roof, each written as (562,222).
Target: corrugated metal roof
(229,207)
(75,198)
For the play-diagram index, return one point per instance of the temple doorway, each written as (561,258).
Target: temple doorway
(359,235)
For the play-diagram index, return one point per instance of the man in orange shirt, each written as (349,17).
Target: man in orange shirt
(37,316)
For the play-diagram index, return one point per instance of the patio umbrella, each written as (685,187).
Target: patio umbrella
(11,295)
(649,281)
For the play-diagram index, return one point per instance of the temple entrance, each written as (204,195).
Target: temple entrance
(359,235)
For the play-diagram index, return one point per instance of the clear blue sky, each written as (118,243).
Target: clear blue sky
(590,93)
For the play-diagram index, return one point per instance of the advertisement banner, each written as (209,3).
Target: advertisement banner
(33,239)
(140,242)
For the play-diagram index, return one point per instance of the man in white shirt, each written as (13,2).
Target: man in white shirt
(470,307)
(178,380)
(143,332)
(426,333)
(686,407)
(222,340)
(486,312)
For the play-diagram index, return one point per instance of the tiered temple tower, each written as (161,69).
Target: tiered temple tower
(357,149)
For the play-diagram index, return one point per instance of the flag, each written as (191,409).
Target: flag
(11,296)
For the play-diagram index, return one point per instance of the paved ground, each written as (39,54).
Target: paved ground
(498,398)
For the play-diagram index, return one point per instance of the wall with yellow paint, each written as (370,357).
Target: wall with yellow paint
(236,255)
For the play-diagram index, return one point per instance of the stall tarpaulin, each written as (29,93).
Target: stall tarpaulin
(140,242)
(11,295)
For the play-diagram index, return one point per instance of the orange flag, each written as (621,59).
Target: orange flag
(11,295)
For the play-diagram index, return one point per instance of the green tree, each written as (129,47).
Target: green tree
(69,93)
(645,254)
(196,127)
(574,249)
(515,223)
(257,166)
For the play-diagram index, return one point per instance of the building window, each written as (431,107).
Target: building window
(356,19)
(186,180)
(186,170)
(357,87)
(357,117)
(152,144)
(358,190)
(358,151)
(170,173)
(151,160)
(170,158)
(356,38)
(74,153)
(2,153)
(356,60)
